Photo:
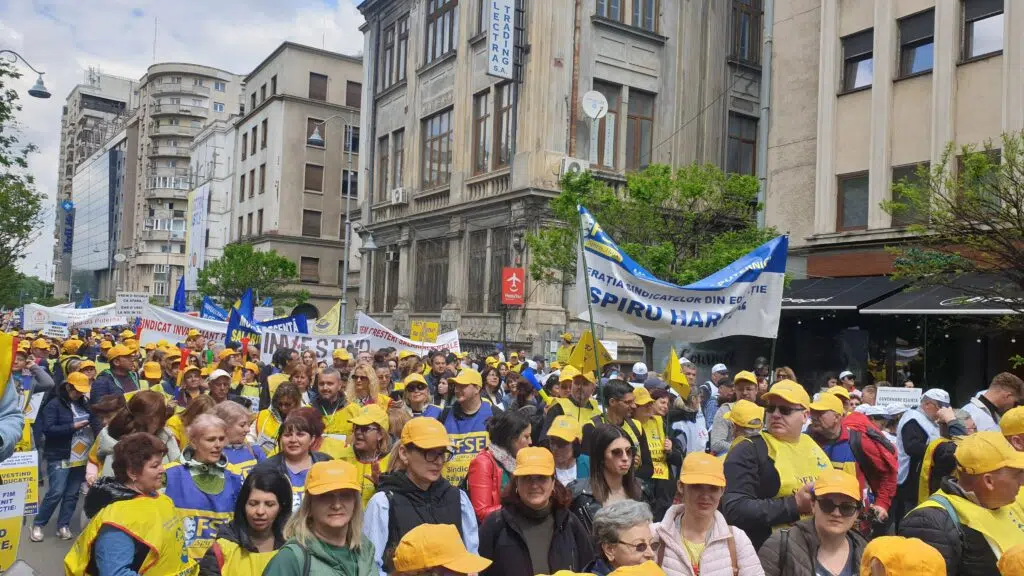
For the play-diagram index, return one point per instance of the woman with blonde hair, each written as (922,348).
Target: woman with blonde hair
(325,534)
(363,389)
(370,448)
(784,373)
(242,455)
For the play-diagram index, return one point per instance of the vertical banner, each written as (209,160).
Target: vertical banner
(12,508)
(195,236)
(499,21)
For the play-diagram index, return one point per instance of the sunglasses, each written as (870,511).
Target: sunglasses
(416,387)
(620,452)
(435,455)
(641,547)
(784,410)
(364,429)
(846,509)
(360,378)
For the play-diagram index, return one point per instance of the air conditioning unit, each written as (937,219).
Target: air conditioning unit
(573,166)
(399,196)
(391,256)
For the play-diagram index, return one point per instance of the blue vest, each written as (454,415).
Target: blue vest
(243,459)
(201,513)
(468,438)
(432,411)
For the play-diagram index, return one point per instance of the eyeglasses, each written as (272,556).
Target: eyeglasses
(435,455)
(364,429)
(619,452)
(416,387)
(784,410)
(846,509)
(642,546)
(360,378)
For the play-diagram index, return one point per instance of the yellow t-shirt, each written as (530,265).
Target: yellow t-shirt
(694,550)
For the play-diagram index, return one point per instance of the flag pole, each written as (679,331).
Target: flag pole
(590,311)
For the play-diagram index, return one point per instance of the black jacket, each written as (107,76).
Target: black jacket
(801,552)
(502,541)
(57,424)
(943,460)
(210,564)
(965,550)
(749,502)
(408,507)
(584,505)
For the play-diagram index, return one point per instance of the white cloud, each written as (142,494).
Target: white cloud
(63,38)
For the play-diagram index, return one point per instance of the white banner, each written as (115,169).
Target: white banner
(162,324)
(263,313)
(195,243)
(324,346)
(130,304)
(906,397)
(381,337)
(37,317)
(499,21)
(744,298)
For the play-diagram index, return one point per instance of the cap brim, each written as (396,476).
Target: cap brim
(701,478)
(533,471)
(467,564)
(785,396)
(836,490)
(80,391)
(651,401)
(563,435)
(319,489)
(819,407)
(429,443)
(1016,461)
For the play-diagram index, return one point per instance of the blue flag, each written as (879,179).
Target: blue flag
(268,302)
(179,297)
(241,323)
(86,301)
(297,323)
(212,311)
(528,375)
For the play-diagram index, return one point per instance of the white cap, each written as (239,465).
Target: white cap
(872,410)
(218,373)
(684,360)
(937,394)
(640,369)
(532,365)
(895,409)
(845,373)
(719,368)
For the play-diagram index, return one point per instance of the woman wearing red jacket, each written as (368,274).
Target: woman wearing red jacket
(492,468)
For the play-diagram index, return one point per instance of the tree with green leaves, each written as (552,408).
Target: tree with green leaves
(680,224)
(20,204)
(242,267)
(17,289)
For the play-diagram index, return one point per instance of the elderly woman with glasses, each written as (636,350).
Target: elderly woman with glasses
(825,543)
(622,533)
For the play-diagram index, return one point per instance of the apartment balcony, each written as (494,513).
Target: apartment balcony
(163,193)
(163,236)
(168,152)
(178,88)
(178,110)
(173,130)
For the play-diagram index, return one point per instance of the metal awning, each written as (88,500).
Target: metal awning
(952,300)
(837,293)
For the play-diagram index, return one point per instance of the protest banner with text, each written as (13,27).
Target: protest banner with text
(382,337)
(162,324)
(324,345)
(37,317)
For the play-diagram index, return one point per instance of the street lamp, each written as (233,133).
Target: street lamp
(38,90)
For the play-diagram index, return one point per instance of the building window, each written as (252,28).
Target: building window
(437,149)
(482,137)
(350,183)
(611,9)
(263,178)
(252,140)
(252,183)
(907,175)
(983,28)
(273,84)
(245,144)
(604,144)
(383,149)
(639,130)
(385,280)
(317,87)
(503,125)
(858,64)
(501,240)
(239,234)
(645,14)
(387,57)
(442,28)
(352,139)
(742,153)
(241,188)
(218,107)
(219,86)
(259,222)
(402,51)
(477,271)
(314,180)
(263,134)
(309,269)
(431,275)
(746,31)
(311,223)
(853,202)
(398,164)
(253,99)
(917,43)
(263,93)
(248,225)
(353,94)
(160,288)
(315,124)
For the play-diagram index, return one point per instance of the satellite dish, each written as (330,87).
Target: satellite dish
(595,105)
(119,257)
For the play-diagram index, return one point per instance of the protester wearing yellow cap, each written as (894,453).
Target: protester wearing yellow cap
(417,396)
(370,449)
(664,454)
(723,433)
(120,378)
(430,548)
(564,351)
(466,423)
(69,352)
(981,497)
(424,448)
(325,532)
(770,474)
(579,404)
(563,439)
(746,418)
(899,556)
(341,359)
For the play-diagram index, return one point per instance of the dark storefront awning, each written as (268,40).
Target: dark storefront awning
(837,293)
(950,300)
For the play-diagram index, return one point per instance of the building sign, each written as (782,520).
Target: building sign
(513,286)
(69,225)
(500,18)
(195,236)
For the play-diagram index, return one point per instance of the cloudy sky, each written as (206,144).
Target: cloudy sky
(63,38)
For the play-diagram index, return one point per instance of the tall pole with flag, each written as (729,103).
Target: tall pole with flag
(590,311)
(180,305)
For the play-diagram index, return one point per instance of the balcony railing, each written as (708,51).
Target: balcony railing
(162,235)
(172,151)
(179,88)
(157,192)
(176,109)
(173,130)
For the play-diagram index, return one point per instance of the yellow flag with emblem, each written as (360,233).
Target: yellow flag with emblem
(329,323)
(8,347)
(675,377)
(583,356)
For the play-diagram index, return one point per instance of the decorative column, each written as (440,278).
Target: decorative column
(880,149)
(828,76)
(947,46)
(406,282)
(458,264)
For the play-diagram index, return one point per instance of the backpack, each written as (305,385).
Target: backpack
(856,446)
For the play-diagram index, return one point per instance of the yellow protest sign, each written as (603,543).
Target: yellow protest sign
(416,331)
(12,507)
(589,354)
(430,330)
(23,468)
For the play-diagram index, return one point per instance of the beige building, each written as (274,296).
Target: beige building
(459,165)
(865,91)
(177,101)
(289,195)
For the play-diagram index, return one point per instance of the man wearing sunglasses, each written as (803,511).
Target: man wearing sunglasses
(770,475)
(971,520)
(580,405)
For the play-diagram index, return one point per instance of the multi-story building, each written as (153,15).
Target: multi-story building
(213,165)
(176,102)
(290,194)
(863,93)
(93,112)
(459,165)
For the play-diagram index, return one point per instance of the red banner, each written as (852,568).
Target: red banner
(513,286)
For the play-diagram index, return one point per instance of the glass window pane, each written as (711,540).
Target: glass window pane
(985,36)
(917,58)
(646,130)
(859,73)
(853,193)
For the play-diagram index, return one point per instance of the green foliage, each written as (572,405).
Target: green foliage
(17,289)
(681,225)
(267,273)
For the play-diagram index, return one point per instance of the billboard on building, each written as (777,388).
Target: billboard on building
(195,236)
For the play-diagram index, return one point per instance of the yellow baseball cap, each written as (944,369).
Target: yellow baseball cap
(534,461)
(341,354)
(1012,423)
(430,546)
(106,345)
(129,334)
(702,468)
(172,352)
(556,366)
(840,392)
(514,355)
(641,396)
(988,451)
(191,368)
(466,377)
(491,362)
(150,370)
(788,391)
(193,333)
(206,370)
(828,402)
(649,568)
(253,367)
(150,347)
(744,376)
(79,382)
(118,351)
(132,344)
(911,556)
(86,364)
(41,343)
(425,433)
(371,414)
(332,475)
(832,481)
(163,343)
(225,354)
(746,414)
(565,427)
(71,345)
(414,377)
(403,354)
(567,336)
